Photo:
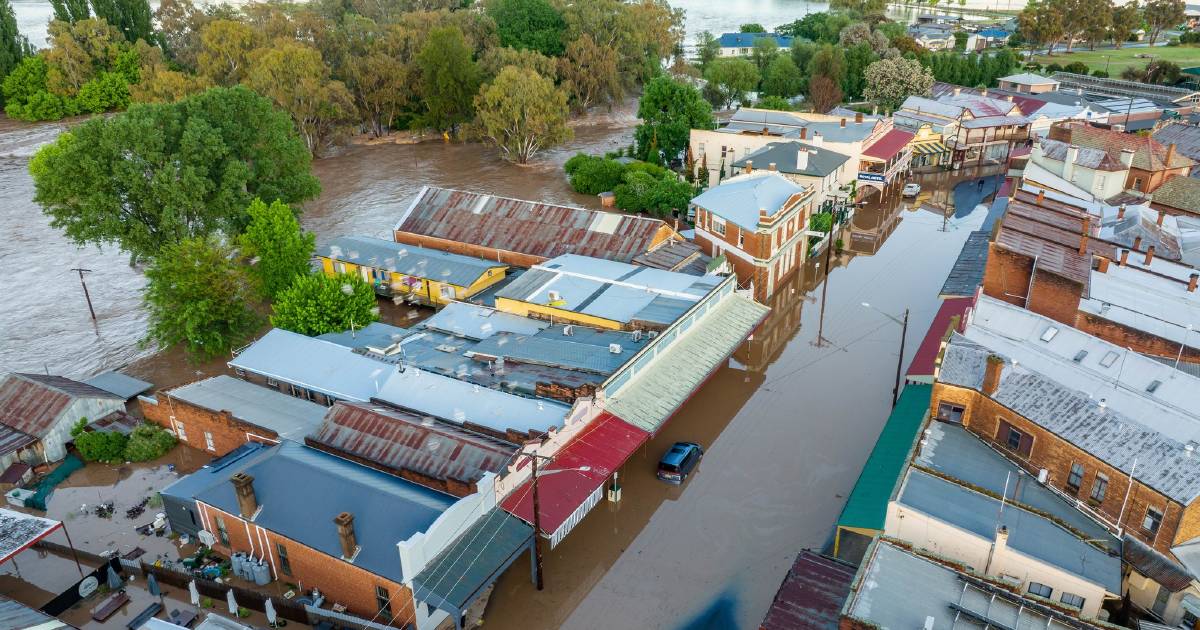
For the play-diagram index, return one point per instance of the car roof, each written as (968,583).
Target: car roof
(678,451)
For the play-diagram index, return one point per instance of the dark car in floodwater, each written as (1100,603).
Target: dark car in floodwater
(679,461)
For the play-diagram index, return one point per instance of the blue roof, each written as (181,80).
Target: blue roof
(455,577)
(739,199)
(994,32)
(213,472)
(479,322)
(375,334)
(1031,534)
(560,350)
(319,365)
(300,490)
(409,260)
(746,40)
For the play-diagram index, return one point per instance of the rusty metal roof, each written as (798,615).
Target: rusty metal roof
(528,227)
(1050,256)
(12,440)
(812,594)
(32,403)
(403,441)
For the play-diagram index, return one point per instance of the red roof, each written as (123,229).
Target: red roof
(889,145)
(812,594)
(923,362)
(603,445)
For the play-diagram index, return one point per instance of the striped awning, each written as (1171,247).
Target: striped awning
(930,148)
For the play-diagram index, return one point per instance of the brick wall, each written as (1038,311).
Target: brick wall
(1055,297)
(199,423)
(1006,275)
(983,417)
(340,581)
(1140,341)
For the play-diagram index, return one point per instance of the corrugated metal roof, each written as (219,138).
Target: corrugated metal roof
(1148,153)
(479,322)
(1186,138)
(967,273)
(603,446)
(740,199)
(680,256)
(812,594)
(289,417)
(457,575)
(528,227)
(788,124)
(558,351)
(19,530)
(318,365)
(32,403)
(17,616)
(403,441)
(923,362)
(654,394)
(301,489)
(375,334)
(418,262)
(867,506)
(1158,567)
(12,440)
(889,145)
(1087,157)
(785,155)
(118,384)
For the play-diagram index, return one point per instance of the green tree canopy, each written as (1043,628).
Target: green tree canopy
(13,45)
(592,175)
(279,250)
(295,78)
(783,78)
(1126,19)
(1163,14)
(316,304)
(523,113)
(70,10)
(161,173)
(752,27)
(198,296)
(131,17)
(669,111)
(777,103)
(729,79)
(708,48)
(529,24)
(449,79)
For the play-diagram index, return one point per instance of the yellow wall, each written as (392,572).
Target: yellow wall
(557,315)
(428,290)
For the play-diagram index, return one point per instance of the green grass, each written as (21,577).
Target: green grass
(1118,60)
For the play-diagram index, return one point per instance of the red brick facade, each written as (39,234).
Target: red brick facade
(341,582)
(216,432)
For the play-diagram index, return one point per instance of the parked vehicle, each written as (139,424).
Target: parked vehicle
(679,462)
(911,190)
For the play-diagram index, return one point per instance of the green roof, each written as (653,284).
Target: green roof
(867,506)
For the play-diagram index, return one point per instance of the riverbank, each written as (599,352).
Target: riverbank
(1114,60)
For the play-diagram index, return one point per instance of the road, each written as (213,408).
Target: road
(786,437)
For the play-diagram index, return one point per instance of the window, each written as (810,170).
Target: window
(1075,478)
(208,441)
(718,226)
(1071,599)
(1099,488)
(950,413)
(1152,521)
(1039,589)
(339,267)
(741,239)
(272,382)
(384,602)
(1014,439)
(222,533)
(285,565)
(446,291)
(1137,183)
(180,431)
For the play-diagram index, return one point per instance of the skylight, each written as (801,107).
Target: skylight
(1051,331)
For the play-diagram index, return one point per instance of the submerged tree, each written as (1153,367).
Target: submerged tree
(523,113)
(317,304)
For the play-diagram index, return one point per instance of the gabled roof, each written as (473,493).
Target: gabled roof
(32,403)
(479,322)
(811,595)
(528,227)
(1186,138)
(740,199)
(785,156)
(967,273)
(1148,153)
(1087,157)
(1028,78)
(419,262)
(888,145)
(1179,192)
(746,40)
(119,384)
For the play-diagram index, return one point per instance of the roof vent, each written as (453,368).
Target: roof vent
(1153,385)
(1109,359)
(1103,404)
(568,330)
(637,335)
(929,623)
(1190,447)
(1079,356)
(1049,333)
(614,348)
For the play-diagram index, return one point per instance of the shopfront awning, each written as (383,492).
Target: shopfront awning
(19,531)
(930,148)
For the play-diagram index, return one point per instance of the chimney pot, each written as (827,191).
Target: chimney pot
(843,122)
(1124,257)
(1193,280)
(802,159)
(858,118)
(1161,215)
(1103,268)
(345,528)
(1137,242)
(749,166)
(771,166)
(1121,212)
(992,373)
(243,488)
(804,133)
(1149,255)
(1170,155)
(1041,195)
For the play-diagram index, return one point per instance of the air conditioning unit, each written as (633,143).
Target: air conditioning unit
(1043,476)
(553,295)
(206,538)
(568,330)
(637,335)
(614,348)
(652,334)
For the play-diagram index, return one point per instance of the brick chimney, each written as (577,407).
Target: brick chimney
(1149,255)
(1124,257)
(858,118)
(1137,242)
(345,529)
(843,123)
(1161,215)
(1121,212)
(1170,155)
(991,374)
(1102,265)
(1193,280)
(749,166)
(804,133)
(771,166)
(243,487)
(1127,157)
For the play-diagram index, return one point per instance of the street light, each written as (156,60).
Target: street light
(537,512)
(899,360)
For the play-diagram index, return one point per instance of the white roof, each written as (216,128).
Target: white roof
(1147,301)
(1028,78)
(1037,174)
(322,366)
(288,416)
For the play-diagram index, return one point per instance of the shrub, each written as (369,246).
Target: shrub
(101,446)
(575,162)
(148,442)
(1076,67)
(777,103)
(821,222)
(643,192)
(1100,74)
(595,175)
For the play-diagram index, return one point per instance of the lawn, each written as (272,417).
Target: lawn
(1118,60)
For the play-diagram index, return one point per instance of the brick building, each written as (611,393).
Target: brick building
(759,222)
(1099,268)
(221,413)
(1153,162)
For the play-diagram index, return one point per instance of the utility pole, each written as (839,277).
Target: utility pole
(900,359)
(537,525)
(825,289)
(86,296)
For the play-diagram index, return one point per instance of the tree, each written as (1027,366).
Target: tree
(279,250)
(729,79)
(70,10)
(449,79)
(179,25)
(861,7)
(669,110)
(643,192)
(161,173)
(590,73)
(493,60)
(381,78)
(225,47)
(78,52)
(783,78)
(13,45)
(295,78)
(529,24)
(708,48)
(890,81)
(592,175)
(764,50)
(197,295)
(1097,20)
(829,61)
(861,33)
(824,93)
(131,17)
(858,57)
(523,113)
(1126,19)
(1040,24)
(1163,14)
(316,304)
(818,27)
(774,102)
(160,84)
(752,27)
